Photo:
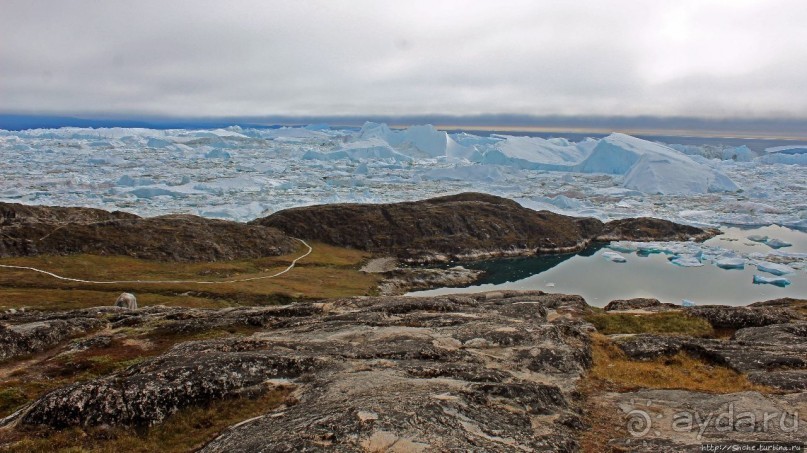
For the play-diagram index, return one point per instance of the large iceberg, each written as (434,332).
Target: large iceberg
(415,141)
(535,153)
(653,168)
(789,155)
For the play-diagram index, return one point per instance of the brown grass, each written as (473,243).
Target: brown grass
(612,371)
(327,272)
(618,373)
(187,430)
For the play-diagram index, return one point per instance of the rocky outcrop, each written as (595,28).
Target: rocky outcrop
(773,355)
(467,226)
(682,421)
(724,317)
(148,393)
(649,229)
(484,372)
(32,337)
(36,230)
(651,346)
(463,226)
(402,280)
(126,300)
(639,304)
(496,371)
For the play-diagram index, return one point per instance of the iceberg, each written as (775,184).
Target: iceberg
(788,155)
(777,281)
(774,268)
(415,141)
(614,257)
(653,168)
(757,238)
(730,263)
(535,153)
(686,261)
(777,243)
(687,303)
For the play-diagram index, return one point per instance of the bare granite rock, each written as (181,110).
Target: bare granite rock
(126,300)
(32,337)
(721,316)
(639,304)
(681,421)
(484,372)
(402,280)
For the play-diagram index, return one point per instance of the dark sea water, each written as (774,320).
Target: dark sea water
(599,281)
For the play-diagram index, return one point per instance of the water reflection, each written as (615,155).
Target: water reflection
(598,280)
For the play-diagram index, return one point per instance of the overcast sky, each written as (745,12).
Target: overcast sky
(702,58)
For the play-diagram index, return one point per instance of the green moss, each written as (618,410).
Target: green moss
(11,398)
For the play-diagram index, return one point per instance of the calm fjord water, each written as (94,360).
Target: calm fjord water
(599,281)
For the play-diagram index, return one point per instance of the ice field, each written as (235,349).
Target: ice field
(241,174)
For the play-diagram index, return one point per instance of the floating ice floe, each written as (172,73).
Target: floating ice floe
(614,257)
(687,261)
(777,281)
(730,262)
(774,268)
(757,238)
(777,243)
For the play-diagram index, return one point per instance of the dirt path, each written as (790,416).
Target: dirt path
(114,282)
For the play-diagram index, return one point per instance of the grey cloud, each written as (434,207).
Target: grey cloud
(206,58)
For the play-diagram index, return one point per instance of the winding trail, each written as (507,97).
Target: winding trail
(202,282)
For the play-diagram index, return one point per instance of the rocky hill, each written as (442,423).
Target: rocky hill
(47,230)
(463,226)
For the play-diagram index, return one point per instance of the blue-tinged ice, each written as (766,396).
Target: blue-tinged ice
(730,262)
(777,281)
(777,243)
(687,261)
(774,268)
